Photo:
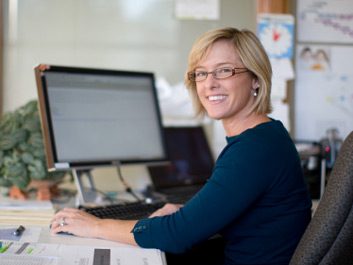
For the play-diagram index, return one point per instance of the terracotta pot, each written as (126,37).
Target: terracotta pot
(45,190)
(16,193)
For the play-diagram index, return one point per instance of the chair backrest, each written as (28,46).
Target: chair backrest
(328,238)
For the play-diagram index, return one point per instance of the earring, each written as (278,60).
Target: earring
(255,92)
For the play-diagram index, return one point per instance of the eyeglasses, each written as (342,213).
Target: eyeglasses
(220,73)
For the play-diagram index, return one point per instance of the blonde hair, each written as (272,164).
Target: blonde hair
(252,55)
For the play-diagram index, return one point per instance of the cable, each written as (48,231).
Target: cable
(127,187)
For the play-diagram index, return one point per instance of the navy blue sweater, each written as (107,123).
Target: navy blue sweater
(256,199)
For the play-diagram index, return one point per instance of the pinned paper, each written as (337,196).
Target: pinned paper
(197,9)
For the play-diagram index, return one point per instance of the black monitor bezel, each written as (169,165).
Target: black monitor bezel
(200,178)
(47,125)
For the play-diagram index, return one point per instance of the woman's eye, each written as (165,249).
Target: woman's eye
(224,70)
(200,74)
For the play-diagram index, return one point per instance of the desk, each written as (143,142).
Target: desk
(314,167)
(64,249)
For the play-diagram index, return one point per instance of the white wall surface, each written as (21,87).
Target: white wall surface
(120,34)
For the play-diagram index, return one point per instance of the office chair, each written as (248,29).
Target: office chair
(328,238)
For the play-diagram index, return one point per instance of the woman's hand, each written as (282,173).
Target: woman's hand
(167,209)
(80,223)
(75,222)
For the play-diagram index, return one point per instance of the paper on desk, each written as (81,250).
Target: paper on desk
(12,253)
(15,212)
(19,217)
(11,204)
(109,256)
(28,260)
(31,234)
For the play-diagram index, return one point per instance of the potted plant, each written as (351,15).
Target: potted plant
(22,157)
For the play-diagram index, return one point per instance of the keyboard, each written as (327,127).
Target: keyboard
(128,211)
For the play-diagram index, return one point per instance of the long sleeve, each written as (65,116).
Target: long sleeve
(256,191)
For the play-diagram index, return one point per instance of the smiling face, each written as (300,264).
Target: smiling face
(228,99)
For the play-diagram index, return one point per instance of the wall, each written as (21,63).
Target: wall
(134,35)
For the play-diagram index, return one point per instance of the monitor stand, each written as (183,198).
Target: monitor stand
(86,194)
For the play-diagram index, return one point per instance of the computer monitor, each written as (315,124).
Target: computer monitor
(191,159)
(98,117)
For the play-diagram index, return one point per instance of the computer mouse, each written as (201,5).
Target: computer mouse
(65,233)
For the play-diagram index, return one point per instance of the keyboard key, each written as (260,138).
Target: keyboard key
(129,211)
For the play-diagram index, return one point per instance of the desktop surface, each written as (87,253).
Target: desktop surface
(59,249)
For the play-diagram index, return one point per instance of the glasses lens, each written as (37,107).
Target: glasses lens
(224,72)
(200,75)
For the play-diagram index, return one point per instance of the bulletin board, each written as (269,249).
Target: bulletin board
(324,55)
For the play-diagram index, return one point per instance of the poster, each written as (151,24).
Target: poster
(323,91)
(329,21)
(276,35)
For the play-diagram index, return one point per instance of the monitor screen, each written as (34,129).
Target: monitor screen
(93,117)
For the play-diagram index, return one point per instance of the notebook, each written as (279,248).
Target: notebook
(191,164)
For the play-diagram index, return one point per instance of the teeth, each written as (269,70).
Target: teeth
(217,97)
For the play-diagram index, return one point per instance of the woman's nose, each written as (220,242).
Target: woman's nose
(210,82)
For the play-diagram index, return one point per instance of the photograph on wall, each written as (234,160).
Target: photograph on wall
(314,59)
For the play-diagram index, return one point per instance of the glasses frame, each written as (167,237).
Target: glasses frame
(192,74)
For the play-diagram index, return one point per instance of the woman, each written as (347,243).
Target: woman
(256,197)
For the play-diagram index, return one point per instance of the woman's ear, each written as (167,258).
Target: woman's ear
(255,83)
